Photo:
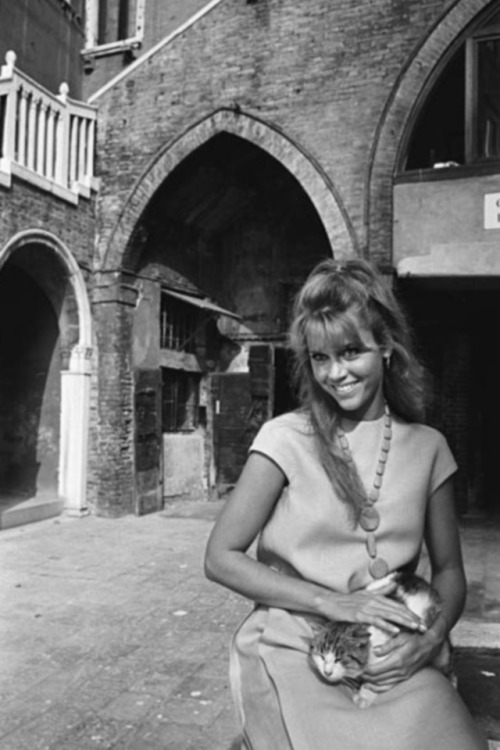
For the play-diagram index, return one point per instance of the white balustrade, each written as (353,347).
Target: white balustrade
(46,139)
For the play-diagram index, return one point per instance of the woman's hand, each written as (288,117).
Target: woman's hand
(372,609)
(403,655)
(406,653)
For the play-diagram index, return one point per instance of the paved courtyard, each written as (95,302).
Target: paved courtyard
(112,637)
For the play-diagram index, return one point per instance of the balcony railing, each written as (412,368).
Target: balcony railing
(45,139)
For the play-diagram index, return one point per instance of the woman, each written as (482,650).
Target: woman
(340,492)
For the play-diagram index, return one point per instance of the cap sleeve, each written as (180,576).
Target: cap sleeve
(275,440)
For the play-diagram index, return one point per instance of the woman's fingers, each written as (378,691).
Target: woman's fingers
(389,616)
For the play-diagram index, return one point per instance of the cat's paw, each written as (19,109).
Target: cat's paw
(364,697)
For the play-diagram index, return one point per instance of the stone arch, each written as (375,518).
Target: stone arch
(75,379)
(397,117)
(309,174)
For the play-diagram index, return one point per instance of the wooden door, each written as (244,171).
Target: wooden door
(147,412)
(242,402)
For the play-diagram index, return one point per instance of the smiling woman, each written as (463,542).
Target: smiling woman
(341,492)
(349,368)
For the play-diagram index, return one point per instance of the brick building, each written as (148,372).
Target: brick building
(237,143)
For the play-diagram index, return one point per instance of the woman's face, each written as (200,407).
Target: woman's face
(349,367)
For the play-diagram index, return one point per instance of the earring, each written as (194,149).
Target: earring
(387,361)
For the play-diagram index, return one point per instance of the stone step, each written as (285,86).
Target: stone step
(17,512)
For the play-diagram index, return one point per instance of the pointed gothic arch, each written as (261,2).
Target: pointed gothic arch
(301,165)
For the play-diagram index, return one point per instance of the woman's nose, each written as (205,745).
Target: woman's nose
(337,370)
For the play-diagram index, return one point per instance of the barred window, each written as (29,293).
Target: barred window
(178,325)
(180,400)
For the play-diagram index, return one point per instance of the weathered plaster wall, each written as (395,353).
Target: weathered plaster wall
(434,235)
(47,37)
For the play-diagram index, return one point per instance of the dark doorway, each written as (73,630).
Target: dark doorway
(29,387)
(457,327)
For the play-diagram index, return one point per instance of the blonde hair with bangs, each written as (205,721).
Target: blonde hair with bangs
(335,296)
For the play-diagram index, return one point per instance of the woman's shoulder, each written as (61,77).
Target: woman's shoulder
(418,432)
(285,439)
(292,421)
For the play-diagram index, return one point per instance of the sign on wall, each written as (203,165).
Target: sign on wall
(492,211)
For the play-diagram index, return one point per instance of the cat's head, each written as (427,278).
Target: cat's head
(340,651)
(334,668)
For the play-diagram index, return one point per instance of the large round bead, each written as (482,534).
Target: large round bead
(378,568)
(369,519)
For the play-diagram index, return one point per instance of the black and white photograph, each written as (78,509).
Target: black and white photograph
(249,374)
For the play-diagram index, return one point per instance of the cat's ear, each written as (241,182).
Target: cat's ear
(317,626)
(361,630)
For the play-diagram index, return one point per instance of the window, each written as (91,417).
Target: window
(178,325)
(460,120)
(112,22)
(180,400)
(439,135)
(485,125)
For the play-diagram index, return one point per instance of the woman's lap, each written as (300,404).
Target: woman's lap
(285,706)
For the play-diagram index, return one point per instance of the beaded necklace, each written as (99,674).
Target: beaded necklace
(369,519)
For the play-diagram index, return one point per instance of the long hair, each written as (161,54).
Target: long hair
(336,297)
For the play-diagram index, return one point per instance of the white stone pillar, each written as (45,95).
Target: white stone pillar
(75,398)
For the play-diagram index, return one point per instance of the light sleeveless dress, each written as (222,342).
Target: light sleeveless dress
(283,704)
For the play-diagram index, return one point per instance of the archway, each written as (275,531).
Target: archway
(46,343)
(218,252)
(293,158)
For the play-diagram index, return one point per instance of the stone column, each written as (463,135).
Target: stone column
(75,394)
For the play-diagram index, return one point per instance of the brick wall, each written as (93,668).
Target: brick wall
(24,207)
(338,80)
(161,19)
(323,73)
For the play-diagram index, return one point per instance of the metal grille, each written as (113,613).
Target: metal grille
(178,324)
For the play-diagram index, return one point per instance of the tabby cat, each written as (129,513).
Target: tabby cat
(340,651)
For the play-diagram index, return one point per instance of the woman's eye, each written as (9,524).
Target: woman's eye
(318,357)
(350,352)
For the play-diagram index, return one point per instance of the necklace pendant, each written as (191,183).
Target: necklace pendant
(378,568)
(369,519)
